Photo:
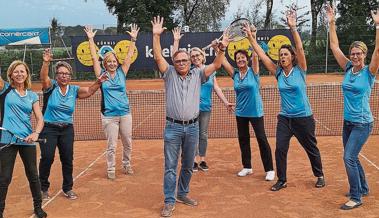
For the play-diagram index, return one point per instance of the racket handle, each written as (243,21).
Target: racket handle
(42,140)
(206,47)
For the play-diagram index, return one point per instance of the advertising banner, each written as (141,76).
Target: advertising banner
(142,59)
(24,36)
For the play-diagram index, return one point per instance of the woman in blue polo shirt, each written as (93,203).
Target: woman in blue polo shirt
(295,117)
(59,99)
(358,120)
(249,109)
(116,117)
(17,102)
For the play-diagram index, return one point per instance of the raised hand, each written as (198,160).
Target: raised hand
(176,33)
(47,56)
(251,31)
(225,39)
(375,16)
(330,13)
(89,31)
(291,18)
(134,31)
(157,23)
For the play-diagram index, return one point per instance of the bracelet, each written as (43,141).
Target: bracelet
(37,132)
(133,39)
(293,29)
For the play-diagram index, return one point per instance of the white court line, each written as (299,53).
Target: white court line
(89,166)
(360,153)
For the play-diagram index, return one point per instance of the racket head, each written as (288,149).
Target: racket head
(7,138)
(235,29)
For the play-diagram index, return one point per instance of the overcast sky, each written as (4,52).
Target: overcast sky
(38,13)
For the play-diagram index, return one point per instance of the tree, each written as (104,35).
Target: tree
(316,6)
(355,23)
(253,13)
(300,15)
(140,12)
(268,17)
(200,15)
(56,31)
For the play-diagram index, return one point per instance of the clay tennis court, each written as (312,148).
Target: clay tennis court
(219,191)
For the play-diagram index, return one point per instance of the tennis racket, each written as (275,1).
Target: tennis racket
(235,31)
(7,138)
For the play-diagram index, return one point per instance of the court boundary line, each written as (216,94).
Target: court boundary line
(88,167)
(360,153)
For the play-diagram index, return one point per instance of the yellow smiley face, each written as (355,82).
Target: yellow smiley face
(83,54)
(122,48)
(243,44)
(274,45)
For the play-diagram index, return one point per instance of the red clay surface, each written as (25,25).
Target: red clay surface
(219,191)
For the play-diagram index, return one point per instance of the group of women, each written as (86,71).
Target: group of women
(295,118)
(55,122)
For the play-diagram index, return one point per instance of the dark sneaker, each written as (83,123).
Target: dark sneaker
(128,170)
(39,212)
(186,200)
(320,182)
(70,195)
(195,167)
(167,210)
(278,185)
(45,195)
(203,166)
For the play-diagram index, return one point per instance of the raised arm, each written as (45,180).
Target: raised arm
(334,44)
(216,64)
(221,96)
(96,64)
(177,36)
(251,32)
(374,64)
(158,29)
(291,21)
(133,38)
(85,92)
(44,73)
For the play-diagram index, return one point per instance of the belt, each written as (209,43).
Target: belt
(183,122)
(60,125)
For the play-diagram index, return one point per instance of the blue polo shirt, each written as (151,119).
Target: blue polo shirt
(206,94)
(293,93)
(114,100)
(17,111)
(356,94)
(248,98)
(59,107)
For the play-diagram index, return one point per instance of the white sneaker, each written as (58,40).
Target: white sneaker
(245,172)
(270,175)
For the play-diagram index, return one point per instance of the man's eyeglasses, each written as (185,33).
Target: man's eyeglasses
(183,61)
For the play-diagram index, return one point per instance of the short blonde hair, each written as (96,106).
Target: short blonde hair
(12,67)
(63,64)
(201,52)
(359,44)
(107,56)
